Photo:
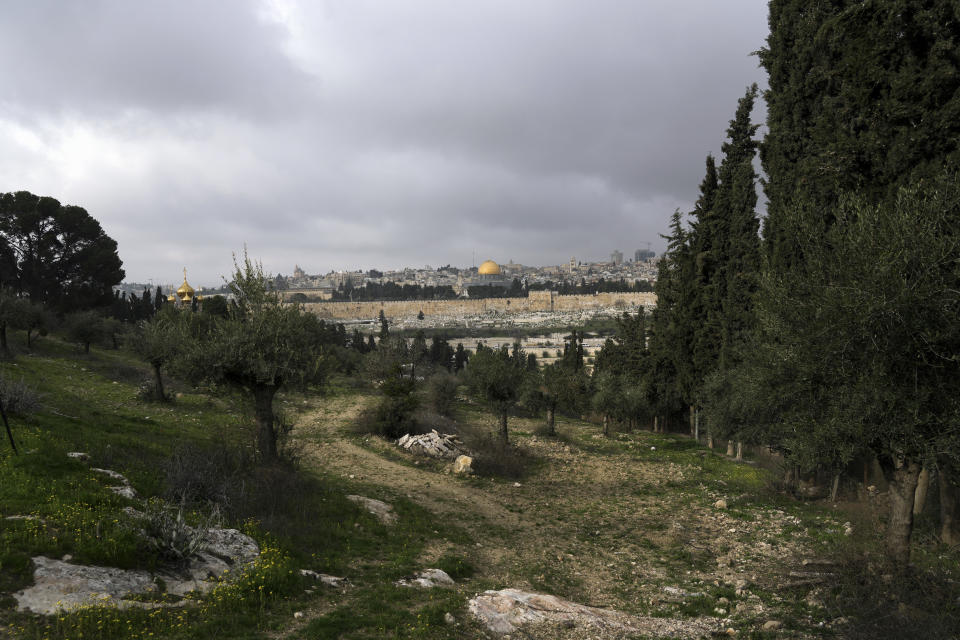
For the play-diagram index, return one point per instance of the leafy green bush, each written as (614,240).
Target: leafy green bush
(18,398)
(442,392)
(392,416)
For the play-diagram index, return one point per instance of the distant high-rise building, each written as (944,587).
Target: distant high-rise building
(643,254)
(616,257)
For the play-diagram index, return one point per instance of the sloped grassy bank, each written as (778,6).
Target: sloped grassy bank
(302,520)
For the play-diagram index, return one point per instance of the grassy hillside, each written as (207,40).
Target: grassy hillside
(630,522)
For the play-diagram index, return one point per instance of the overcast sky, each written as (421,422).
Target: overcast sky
(348,134)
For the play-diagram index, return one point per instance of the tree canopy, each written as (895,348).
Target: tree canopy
(56,254)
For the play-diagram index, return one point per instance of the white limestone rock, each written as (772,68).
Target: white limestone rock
(505,611)
(427,579)
(462,465)
(63,586)
(383,512)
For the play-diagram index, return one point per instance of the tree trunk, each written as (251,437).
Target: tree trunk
(903,487)
(503,427)
(655,424)
(693,420)
(920,497)
(86,348)
(606,424)
(3,338)
(788,476)
(263,408)
(158,391)
(730,448)
(696,425)
(835,488)
(709,440)
(29,335)
(949,506)
(551,428)
(739,450)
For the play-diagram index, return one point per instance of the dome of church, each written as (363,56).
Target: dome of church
(185,292)
(489,268)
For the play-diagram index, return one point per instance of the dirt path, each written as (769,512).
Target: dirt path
(605,522)
(323,431)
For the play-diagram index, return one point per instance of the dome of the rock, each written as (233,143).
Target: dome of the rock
(489,268)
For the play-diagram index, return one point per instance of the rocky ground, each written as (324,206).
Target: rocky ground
(641,524)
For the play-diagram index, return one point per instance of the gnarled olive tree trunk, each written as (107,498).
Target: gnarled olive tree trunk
(263,409)
(903,487)
(949,504)
(158,392)
(551,422)
(502,416)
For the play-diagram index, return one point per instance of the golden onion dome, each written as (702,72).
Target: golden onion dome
(185,290)
(489,268)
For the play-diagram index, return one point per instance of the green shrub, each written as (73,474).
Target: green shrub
(442,392)
(18,398)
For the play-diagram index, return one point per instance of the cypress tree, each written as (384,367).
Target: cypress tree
(736,202)
(863,97)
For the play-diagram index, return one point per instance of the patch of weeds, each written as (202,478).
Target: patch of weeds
(881,601)
(388,611)
(494,458)
(555,578)
(457,567)
(692,559)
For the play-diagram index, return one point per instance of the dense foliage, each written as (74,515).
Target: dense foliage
(56,254)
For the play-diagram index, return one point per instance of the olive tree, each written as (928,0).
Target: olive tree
(496,377)
(259,347)
(859,344)
(158,341)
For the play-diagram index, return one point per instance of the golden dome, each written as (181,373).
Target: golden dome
(185,292)
(489,268)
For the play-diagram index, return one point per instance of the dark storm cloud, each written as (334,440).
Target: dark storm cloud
(358,134)
(99,57)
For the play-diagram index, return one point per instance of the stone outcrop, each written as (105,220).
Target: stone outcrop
(383,512)
(123,489)
(432,444)
(505,611)
(60,585)
(427,579)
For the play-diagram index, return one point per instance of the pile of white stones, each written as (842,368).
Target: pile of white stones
(432,444)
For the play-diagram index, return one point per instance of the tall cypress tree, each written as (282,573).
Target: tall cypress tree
(863,97)
(736,204)
(705,344)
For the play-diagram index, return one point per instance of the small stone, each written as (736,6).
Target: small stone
(516,484)
(653,448)
(67,557)
(772,625)
(723,601)
(78,455)
(462,465)
(449,619)
(298,614)
(731,631)
(720,504)
(847,529)
(720,611)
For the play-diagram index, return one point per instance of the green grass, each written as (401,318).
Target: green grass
(300,519)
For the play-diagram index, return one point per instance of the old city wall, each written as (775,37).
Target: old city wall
(538,301)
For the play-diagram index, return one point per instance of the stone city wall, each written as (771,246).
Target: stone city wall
(538,301)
